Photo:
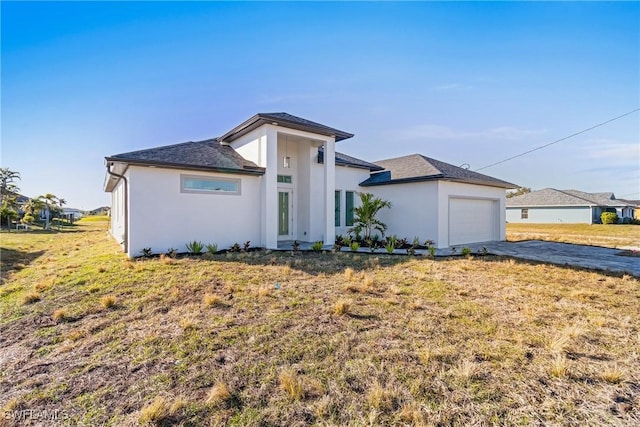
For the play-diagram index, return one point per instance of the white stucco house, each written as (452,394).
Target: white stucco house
(276,178)
(565,206)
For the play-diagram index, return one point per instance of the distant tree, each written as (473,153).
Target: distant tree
(9,209)
(519,192)
(7,183)
(33,206)
(50,204)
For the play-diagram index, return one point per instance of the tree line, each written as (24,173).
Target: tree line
(9,205)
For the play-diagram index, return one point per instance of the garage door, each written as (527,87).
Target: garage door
(472,220)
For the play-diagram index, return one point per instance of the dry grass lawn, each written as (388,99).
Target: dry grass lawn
(609,235)
(345,339)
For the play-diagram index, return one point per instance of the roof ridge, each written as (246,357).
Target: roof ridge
(164,147)
(577,197)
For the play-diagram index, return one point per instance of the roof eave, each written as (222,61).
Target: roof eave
(247,170)
(402,180)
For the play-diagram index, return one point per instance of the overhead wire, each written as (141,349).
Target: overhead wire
(560,140)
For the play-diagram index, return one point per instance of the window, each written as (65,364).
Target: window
(209,185)
(286,179)
(349,204)
(337,214)
(524,214)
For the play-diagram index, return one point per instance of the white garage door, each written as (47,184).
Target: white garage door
(472,220)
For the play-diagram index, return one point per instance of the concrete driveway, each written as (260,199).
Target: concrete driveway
(591,257)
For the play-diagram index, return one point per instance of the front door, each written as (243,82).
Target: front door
(285,220)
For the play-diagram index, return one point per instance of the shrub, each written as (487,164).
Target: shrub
(465,251)
(246,246)
(159,412)
(235,248)
(211,300)
(432,251)
(355,246)
(212,248)
(342,307)
(172,252)
(317,246)
(291,384)
(411,250)
(609,218)
(195,247)
(219,394)
(30,298)
(108,301)
(390,246)
(60,315)
(28,219)
(146,252)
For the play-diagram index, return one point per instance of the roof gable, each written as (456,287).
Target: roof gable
(416,167)
(286,120)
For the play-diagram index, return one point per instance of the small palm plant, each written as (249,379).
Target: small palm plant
(195,247)
(365,215)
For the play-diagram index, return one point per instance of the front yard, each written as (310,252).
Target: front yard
(267,338)
(611,235)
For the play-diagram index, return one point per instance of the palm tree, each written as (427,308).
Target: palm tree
(9,209)
(7,182)
(365,215)
(33,207)
(49,201)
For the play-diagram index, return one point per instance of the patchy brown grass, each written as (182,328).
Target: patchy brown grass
(426,342)
(609,235)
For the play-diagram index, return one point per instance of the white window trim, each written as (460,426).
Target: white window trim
(210,178)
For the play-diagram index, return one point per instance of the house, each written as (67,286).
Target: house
(565,206)
(72,214)
(276,178)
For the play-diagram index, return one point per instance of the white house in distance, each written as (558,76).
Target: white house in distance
(277,178)
(565,206)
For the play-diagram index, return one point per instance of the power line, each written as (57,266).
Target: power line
(559,140)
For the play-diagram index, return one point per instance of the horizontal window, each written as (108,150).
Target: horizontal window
(203,185)
(286,179)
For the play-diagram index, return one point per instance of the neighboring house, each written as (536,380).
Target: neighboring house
(102,210)
(277,178)
(636,207)
(565,206)
(72,214)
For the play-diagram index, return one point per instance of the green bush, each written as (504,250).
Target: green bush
(609,218)
(194,247)
(317,246)
(212,248)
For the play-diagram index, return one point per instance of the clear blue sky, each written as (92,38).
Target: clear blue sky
(461,82)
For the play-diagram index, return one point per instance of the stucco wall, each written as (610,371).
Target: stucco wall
(161,217)
(117,211)
(447,190)
(348,179)
(414,209)
(551,215)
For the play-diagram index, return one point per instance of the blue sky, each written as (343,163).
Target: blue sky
(460,82)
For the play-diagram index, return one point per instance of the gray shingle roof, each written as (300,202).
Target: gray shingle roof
(285,120)
(202,155)
(416,167)
(346,160)
(553,197)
